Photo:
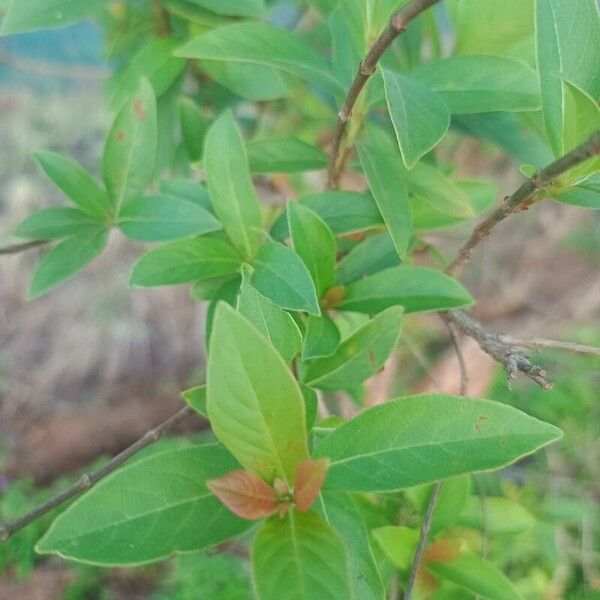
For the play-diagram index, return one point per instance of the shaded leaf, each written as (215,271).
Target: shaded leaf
(194,126)
(495,515)
(321,337)
(284,155)
(585,194)
(398,544)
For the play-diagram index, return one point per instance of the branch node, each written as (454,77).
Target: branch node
(365,69)
(398,23)
(85,482)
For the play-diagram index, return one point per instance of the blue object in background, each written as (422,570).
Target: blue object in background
(53,60)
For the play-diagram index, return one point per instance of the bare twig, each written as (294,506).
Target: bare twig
(86,481)
(540,342)
(422,543)
(464,377)
(16,248)
(492,343)
(525,196)
(398,23)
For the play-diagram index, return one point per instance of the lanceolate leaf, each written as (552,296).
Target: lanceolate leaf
(340,511)
(50,223)
(374,254)
(160,218)
(284,155)
(359,356)
(229,185)
(245,494)
(274,323)
(419,117)
(185,261)
(66,259)
(421,439)
(387,185)
(495,515)
(77,184)
(130,152)
(398,543)
(194,125)
(417,289)
(321,337)
(282,277)
(147,510)
(300,558)
(260,43)
(585,194)
(344,212)
(479,83)
(254,403)
(314,243)
(477,575)
(196,398)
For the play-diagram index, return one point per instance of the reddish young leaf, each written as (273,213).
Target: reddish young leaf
(441,551)
(310,475)
(245,494)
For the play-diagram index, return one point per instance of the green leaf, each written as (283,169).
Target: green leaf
(314,243)
(417,289)
(491,27)
(340,511)
(280,275)
(263,44)
(153,61)
(188,190)
(495,515)
(29,15)
(398,544)
(254,403)
(229,185)
(477,575)
(159,218)
(193,127)
(300,558)
(147,510)
(196,398)
(77,184)
(451,499)
(321,337)
(274,323)
(374,254)
(284,155)
(438,191)
(233,8)
(50,223)
(130,151)
(420,118)
(359,356)
(66,259)
(476,84)
(251,81)
(343,212)
(185,261)
(388,187)
(563,29)
(585,194)
(226,293)
(421,439)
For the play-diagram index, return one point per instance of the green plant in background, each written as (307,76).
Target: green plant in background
(310,298)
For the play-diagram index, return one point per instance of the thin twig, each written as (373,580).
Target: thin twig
(86,481)
(540,342)
(53,69)
(398,23)
(525,196)
(16,248)
(422,543)
(492,343)
(464,377)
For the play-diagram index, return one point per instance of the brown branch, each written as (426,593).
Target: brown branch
(422,543)
(398,23)
(464,377)
(525,196)
(86,481)
(492,343)
(540,342)
(16,248)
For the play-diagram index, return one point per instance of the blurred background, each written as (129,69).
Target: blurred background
(87,369)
